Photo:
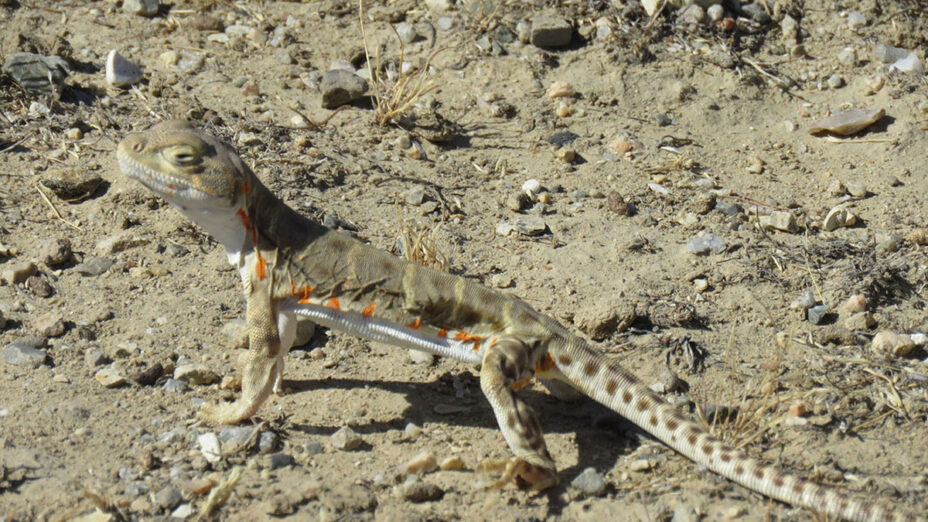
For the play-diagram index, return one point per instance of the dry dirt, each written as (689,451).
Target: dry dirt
(735,98)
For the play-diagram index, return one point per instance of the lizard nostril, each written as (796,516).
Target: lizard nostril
(138,146)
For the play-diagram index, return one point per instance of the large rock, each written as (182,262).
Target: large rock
(551,32)
(340,87)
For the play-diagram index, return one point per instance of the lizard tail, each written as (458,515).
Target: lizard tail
(607,382)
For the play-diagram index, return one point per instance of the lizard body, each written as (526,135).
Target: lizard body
(291,265)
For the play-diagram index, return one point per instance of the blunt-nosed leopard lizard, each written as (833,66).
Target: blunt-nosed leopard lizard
(291,265)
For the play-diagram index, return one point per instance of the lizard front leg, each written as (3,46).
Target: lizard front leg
(264,367)
(532,467)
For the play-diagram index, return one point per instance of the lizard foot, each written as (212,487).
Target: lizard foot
(227,413)
(525,474)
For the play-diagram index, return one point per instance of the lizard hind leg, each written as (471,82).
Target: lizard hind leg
(532,466)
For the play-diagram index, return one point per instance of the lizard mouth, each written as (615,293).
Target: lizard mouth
(169,187)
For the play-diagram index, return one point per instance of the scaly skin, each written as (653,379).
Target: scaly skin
(292,265)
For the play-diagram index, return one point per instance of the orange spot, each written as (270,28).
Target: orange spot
(415,324)
(521,383)
(261,267)
(493,341)
(304,295)
(463,336)
(245,188)
(333,303)
(242,214)
(369,310)
(545,364)
(442,332)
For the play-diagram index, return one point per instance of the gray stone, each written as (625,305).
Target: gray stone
(406,32)
(817,313)
(756,12)
(146,8)
(890,244)
(848,56)
(94,266)
(856,20)
(551,32)
(314,447)
(445,23)
(281,460)
(888,54)
(346,439)
(195,374)
(33,71)
(20,354)
(692,15)
(94,357)
(235,436)
(305,329)
(340,87)
(705,244)
(835,81)
(804,301)
(530,225)
(56,253)
(168,498)
(175,386)
(268,441)
(590,483)
(729,208)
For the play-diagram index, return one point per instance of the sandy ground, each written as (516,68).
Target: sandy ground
(675,128)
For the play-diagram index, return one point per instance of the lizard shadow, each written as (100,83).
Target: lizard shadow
(602,437)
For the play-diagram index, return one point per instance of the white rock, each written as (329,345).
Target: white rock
(120,72)
(531,187)
(836,218)
(909,64)
(209,447)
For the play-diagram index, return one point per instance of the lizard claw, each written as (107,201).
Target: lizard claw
(525,474)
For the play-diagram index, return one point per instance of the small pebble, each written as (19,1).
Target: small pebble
(590,483)
(209,446)
(422,463)
(550,32)
(22,354)
(195,374)
(175,386)
(560,89)
(891,344)
(804,301)
(280,460)
(798,409)
(779,220)
(147,8)
(856,20)
(853,304)
(168,498)
(411,431)
(121,72)
(420,491)
(859,321)
(817,313)
(716,12)
(705,244)
(346,439)
(835,81)
(110,377)
(453,463)
(848,56)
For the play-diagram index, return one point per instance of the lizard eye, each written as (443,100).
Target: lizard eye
(185,156)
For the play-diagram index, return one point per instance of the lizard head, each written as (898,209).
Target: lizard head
(185,166)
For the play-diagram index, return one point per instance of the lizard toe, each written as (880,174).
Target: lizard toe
(518,470)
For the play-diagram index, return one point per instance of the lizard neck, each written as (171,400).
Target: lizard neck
(222,226)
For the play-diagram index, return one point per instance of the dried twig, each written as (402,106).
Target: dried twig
(51,205)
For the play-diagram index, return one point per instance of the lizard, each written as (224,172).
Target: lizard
(293,266)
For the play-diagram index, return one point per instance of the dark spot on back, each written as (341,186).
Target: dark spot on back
(644,404)
(778,480)
(725,457)
(564,359)
(739,469)
(590,368)
(671,424)
(759,472)
(626,396)
(611,386)
(692,439)
(707,449)
(653,420)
